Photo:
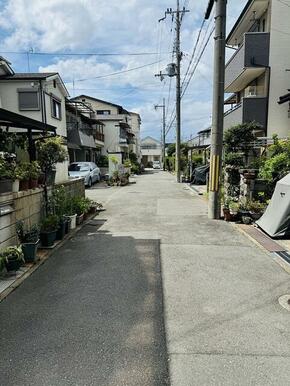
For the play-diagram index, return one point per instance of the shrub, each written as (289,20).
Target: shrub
(50,151)
(276,167)
(50,223)
(234,159)
(29,235)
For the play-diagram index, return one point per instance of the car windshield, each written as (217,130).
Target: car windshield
(79,168)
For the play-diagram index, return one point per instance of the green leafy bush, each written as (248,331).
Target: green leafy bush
(50,223)
(27,235)
(234,159)
(50,151)
(276,167)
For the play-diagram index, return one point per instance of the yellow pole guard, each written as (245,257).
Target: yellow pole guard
(214,173)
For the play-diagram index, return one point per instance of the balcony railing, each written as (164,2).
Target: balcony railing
(100,137)
(249,110)
(248,62)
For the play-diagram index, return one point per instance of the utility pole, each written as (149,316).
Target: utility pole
(173,69)
(218,106)
(178,94)
(163,131)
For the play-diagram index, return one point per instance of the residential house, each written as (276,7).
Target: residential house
(85,135)
(39,96)
(200,144)
(151,150)
(256,75)
(135,123)
(119,136)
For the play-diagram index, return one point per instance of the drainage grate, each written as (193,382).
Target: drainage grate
(284,255)
(262,239)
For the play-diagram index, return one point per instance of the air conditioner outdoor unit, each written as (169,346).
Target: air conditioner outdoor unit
(251,91)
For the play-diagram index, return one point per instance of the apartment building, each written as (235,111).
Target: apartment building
(38,96)
(257,73)
(119,136)
(135,121)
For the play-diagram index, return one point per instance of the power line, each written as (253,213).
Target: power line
(193,52)
(85,53)
(197,63)
(114,73)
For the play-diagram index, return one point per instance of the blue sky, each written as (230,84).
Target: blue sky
(128,27)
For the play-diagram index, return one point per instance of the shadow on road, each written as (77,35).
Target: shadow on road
(92,315)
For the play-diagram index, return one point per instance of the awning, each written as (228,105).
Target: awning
(72,145)
(11,119)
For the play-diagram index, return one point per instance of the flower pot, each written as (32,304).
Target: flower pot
(33,184)
(24,185)
(15,186)
(5,186)
(67,225)
(80,219)
(93,209)
(73,219)
(41,179)
(256,216)
(12,265)
(29,251)
(227,214)
(61,230)
(47,238)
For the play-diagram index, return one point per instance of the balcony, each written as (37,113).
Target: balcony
(123,142)
(251,109)
(99,137)
(248,62)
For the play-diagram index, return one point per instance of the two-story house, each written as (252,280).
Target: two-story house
(256,75)
(119,136)
(39,96)
(151,150)
(85,135)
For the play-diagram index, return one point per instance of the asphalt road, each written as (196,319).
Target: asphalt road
(91,315)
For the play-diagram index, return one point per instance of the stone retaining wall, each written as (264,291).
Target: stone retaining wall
(28,206)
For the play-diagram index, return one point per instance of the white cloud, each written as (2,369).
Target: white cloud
(115,26)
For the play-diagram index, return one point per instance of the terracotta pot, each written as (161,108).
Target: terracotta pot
(33,184)
(24,185)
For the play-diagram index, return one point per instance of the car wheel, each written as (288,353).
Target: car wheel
(90,182)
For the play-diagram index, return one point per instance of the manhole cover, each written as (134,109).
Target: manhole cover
(284,301)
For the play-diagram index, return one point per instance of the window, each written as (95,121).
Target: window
(55,108)
(28,99)
(104,112)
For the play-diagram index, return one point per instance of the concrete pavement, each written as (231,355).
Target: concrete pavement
(93,314)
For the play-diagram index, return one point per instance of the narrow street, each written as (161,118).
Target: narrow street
(149,290)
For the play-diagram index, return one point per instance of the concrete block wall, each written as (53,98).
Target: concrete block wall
(28,206)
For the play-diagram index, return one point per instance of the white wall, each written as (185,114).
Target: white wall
(278,121)
(9,101)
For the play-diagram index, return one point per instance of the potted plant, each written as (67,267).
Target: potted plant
(81,206)
(226,210)
(50,152)
(23,175)
(29,239)
(234,208)
(6,178)
(48,230)
(12,258)
(34,174)
(70,214)
(256,209)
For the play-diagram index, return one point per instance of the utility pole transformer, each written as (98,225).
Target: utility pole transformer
(218,107)
(179,13)
(163,131)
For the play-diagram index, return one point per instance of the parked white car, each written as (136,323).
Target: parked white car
(87,170)
(156,165)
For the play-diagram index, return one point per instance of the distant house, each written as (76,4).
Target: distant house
(201,141)
(120,137)
(256,74)
(151,150)
(39,96)
(85,135)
